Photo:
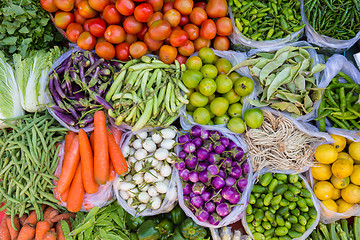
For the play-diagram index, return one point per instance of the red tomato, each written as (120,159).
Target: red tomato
(111,15)
(86,41)
(167,54)
(178,38)
(131,25)
(48,5)
(138,49)
(122,51)
(99,5)
(176,28)
(115,34)
(86,11)
(200,5)
(173,17)
(86,25)
(208,29)
(130,38)
(187,49)
(167,6)
(125,7)
(63,19)
(152,45)
(184,20)
(64,5)
(160,30)
(139,0)
(156,4)
(105,50)
(143,12)
(198,16)
(200,43)
(192,30)
(97,27)
(78,17)
(101,39)
(156,16)
(181,59)
(184,6)
(224,26)
(73,31)
(221,43)
(76,3)
(142,33)
(167,41)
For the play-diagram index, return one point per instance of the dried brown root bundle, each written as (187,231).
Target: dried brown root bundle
(279,145)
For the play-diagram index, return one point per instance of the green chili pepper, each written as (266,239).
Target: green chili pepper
(338,122)
(342,100)
(246,7)
(322,122)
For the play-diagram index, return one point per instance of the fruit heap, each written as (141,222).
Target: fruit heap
(337,174)
(125,28)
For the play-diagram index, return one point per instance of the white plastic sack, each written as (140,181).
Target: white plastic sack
(168,202)
(241,42)
(326,43)
(102,198)
(313,198)
(236,214)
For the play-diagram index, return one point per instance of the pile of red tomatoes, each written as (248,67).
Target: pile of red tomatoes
(123,28)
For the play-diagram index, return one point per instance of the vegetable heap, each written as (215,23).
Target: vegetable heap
(339,104)
(286,78)
(225,233)
(28,158)
(147,93)
(78,88)
(149,155)
(280,206)
(337,230)
(267,20)
(336,19)
(213,171)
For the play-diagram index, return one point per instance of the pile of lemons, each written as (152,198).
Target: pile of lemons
(337,174)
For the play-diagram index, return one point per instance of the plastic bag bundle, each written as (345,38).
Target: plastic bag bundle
(237,212)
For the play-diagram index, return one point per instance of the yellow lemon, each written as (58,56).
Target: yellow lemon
(340,183)
(323,190)
(344,155)
(351,193)
(355,176)
(330,204)
(342,168)
(339,142)
(326,154)
(343,206)
(336,194)
(354,150)
(321,171)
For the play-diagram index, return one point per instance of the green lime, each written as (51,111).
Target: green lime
(194,63)
(223,65)
(201,116)
(235,110)
(234,76)
(207,55)
(219,106)
(223,83)
(224,119)
(209,71)
(191,78)
(253,117)
(244,86)
(207,86)
(231,96)
(198,100)
(190,107)
(236,125)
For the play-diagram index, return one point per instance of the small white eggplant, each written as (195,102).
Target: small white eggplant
(125,186)
(128,178)
(144,187)
(130,202)
(166,181)
(156,137)
(137,144)
(140,154)
(133,192)
(167,144)
(141,135)
(150,176)
(161,187)
(132,160)
(138,166)
(159,178)
(165,170)
(124,195)
(149,145)
(141,207)
(159,165)
(161,154)
(153,161)
(125,150)
(171,158)
(155,203)
(132,151)
(138,178)
(144,197)
(152,191)
(168,133)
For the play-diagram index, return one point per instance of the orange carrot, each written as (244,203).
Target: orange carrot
(64,195)
(92,140)
(76,193)
(101,149)
(32,218)
(50,235)
(64,216)
(23,219)
(112,174)
(68,139)
(13,232)
(41,229)
(117,134)
(71,160)
(87,163)
(50,213)
(27,232)
(116,156)
(4,230)
(59,232)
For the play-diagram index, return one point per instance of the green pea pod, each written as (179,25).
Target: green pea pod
(302,220)
(292,205)
(252,199)
(289,196)
(294,234)
(269,232)
(283,211)
(280,220)
(270,216)
(281,231)
(293,219)
(295,212)
(268,198)
(249,218)
(249,209)
(276,200)
(259,215)
(258,189)
(273,184)
(301,202)
(284,202)
(299,228)
(294,189)
(281,189)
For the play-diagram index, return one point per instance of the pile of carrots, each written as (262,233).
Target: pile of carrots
(89,163)
(28,227)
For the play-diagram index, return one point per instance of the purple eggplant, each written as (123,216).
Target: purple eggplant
(246,168)
(103,102)
(186,199)
(224,141)
(215,135)
(241,184)
(180,165)
(202,215)
(210,207)
(235,172)
(205,135)
(231,145)
(214,219)
(197,141)
(186,188)
(192,194)
(209,146)
(226,163)
(218,182)
(222,173)
(213,169)
(191,161)
(223,209)
(206,195)
(201,166)
(184,139)
(219,148)
(105,71)
(182,154)
(197,201)
(184,174)
(202,154)
(203,177)
(228,192)
(217,198)
(116,64)
(194,177)
(195,131)
(68,119)
(235,199)
(198,188)
(235,164)
(213,158)
(57,108)
(237,153)
(189,147)
(93,66)
(230,181)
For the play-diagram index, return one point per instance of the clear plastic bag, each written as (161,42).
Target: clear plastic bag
(242,43)
(313,198)
(327,44)
(236,214)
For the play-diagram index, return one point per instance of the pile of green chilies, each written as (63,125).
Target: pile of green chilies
(339,104)
(334,18)
(341,230)
(28,159)
(266,20)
